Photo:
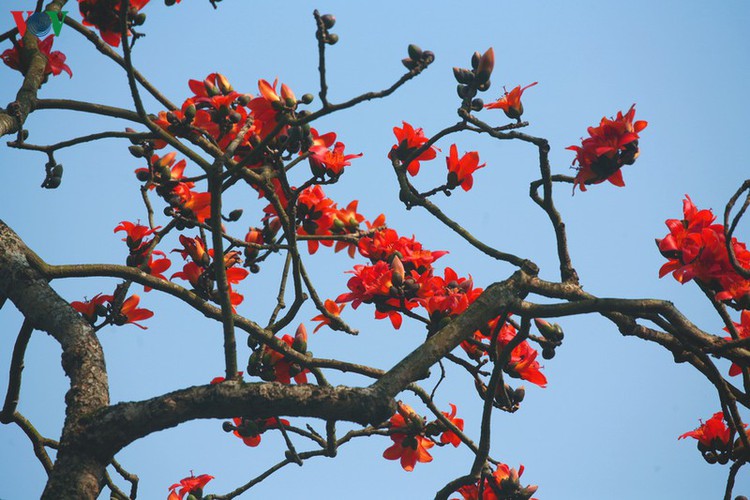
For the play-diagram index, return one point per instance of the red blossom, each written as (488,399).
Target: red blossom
(448,436)
(743,332)
(409,442)
(192,484)
(131,313)
(333,309)
(503,483)
(611,145)
(460,170)
(55,60)
(510,102)
(249,430)
(105,16)
(324,160)
(409,140)
(713,433)
(90,307)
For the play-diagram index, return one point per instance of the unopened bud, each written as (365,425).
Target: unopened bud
(307,98)
(328,21)
(332,39)
(235,215)
(414,52)
(485,66)
(224,84)
(137,151)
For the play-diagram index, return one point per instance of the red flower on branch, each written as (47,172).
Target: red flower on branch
(91,309)
(503,483)
(409,141)
(611,145)
(510,102)
(135,234)
(324,160)
(743,331)
(448,436)
(460,170)
(249,430)
(192,484)
(409,443)
(333,308)
(131,313)
(105,16)
(55,60)
(522,363)
(713,433)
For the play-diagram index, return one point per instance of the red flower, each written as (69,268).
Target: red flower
(409,443)
(89,308)
(249,430)
(510,102)
(460,170)
(324,160)
(501,484)
(190,484)
(105,16)
(333,308)
(449,436)
(409,140)
(135,234)
(55,60)
(696,249)
(743,331)
(611,145)
(449,296)
(131,313)
(156,267)
(522,363)
(713,433)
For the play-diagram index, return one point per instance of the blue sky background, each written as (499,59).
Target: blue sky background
(607,424)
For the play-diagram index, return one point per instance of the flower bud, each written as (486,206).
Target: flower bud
(227,427)
(332,39)
(307,98)
(409,63)
(414,52)
(190,111)
(328,21)
(300,339)
(485,66)
(224,85)
(475,58)
(235,215)
(398,272)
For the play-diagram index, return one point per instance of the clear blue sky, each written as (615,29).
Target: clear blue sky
(607,424)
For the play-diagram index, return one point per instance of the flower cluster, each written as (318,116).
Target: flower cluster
(273,366)
(250,429)
(503,484)
(200,272)
(611,145)
(715,441)
(140,253)
(166,176)
(55,60)
(104,15)
(696,249)
(327,161)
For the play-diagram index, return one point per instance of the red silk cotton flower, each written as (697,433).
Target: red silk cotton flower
(460,170)
(713,433)
(409,141)
(55,60)
(611,145)
(510,103)
(192,484)
(409,443)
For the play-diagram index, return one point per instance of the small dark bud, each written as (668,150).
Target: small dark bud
(477,104)
(235,215)
(475,58)
(169,3)
(332,39)
(428,56)
(143,175)
(137,151)
(548,352)
(227,427)
(484,87)
(414,52)
(52,183)
(235,117)
(461,90)
(328,21)
(24,134)
(244,99)
(57,171)
(172,118)
(409,63)
(463,75)
(139,19)
(518,394)
(306,98)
